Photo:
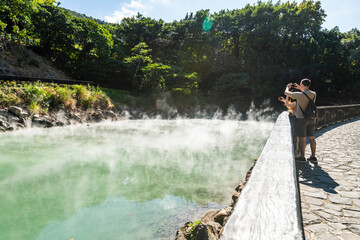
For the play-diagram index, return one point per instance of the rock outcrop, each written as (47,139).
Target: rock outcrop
(18,111)
(15,117)
(213,221)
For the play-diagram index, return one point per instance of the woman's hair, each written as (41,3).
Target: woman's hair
(291,110)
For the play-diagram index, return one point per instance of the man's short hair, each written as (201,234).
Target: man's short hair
(306,82)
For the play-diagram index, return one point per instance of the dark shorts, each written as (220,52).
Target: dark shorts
(305,127)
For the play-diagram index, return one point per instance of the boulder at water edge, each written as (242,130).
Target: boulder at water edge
(209,231)
(17,111)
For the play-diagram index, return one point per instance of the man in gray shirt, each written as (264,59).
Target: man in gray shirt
(304,127)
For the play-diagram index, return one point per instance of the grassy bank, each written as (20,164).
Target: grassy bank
(122,98)
(40,97)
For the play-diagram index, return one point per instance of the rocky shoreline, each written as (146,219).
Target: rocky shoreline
(213,221)
(15,118)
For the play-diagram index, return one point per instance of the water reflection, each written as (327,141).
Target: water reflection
(118,218)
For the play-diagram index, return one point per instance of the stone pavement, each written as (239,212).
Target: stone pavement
(330,191)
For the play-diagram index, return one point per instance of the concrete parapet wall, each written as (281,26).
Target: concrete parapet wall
(328,115)
(268,207)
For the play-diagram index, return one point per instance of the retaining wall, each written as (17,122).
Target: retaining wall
(269,205)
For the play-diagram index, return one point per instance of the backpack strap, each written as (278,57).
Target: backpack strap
(301,109)
(308,103)
(308,96)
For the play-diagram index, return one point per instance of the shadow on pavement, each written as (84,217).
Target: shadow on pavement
(314,176)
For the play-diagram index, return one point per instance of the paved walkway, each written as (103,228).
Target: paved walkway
(330,191)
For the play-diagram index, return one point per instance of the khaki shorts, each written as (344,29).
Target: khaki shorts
(305,127)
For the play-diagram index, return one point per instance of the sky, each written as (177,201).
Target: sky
(345,13)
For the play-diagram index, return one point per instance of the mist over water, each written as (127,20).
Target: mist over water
(132,179)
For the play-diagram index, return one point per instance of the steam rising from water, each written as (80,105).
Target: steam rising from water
(166,111)
(133,174)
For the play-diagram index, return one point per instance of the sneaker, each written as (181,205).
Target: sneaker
(312,159)
(300,159)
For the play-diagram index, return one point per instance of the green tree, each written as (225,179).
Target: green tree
(233,89)
(243,55)
(92,39)
(56,32)
(158,76)
(135,30)
(139,57)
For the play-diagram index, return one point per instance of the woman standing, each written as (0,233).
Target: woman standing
(291,106)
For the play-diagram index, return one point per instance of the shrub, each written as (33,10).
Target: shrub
(102,101)
(7,98)
(192,226)
(34,107)
(40,97)
(81,92)
(64,98)
(35,93)
(70,104)
(88,103)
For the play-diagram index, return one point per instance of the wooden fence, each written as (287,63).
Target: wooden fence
(48,80)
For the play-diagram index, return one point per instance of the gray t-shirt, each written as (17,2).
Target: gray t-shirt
(302,101)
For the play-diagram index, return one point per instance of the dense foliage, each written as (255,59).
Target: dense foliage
(230,57)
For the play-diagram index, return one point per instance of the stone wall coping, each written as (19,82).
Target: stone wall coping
(269,205)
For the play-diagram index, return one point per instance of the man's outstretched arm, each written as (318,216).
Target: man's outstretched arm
(287,90)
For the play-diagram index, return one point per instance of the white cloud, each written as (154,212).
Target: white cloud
(129,10)
(119,15)
(136,5)
(163,2)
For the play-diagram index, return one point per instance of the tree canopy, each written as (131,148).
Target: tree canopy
(231,57)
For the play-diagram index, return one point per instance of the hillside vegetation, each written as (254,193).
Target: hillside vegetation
(40,97)
(231,57)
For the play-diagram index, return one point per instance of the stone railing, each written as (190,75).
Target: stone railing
(328,115)
(269,205)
